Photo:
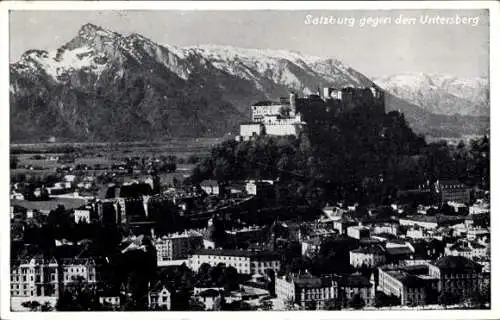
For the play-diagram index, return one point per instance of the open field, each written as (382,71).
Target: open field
(68,203)
(42,157)
(39,161)
(179,146)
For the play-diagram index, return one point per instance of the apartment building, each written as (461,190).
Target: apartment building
(244,261)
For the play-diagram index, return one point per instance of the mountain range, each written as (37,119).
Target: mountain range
(104,86)
(441,94)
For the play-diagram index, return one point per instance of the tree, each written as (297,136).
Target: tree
(65,302)
(284,111)
(356,302)
(271,275)
(311,305)
(14,162)
(231,279)
(289,304)
(267,305)
(431,296)
(380,299)
(46,306)
(222,170)
(204,273)
(480,298)
(485,294)
(175,182)
(333,304)
(218,234)
(156,183)
(195,305)
(447,298)
(32,305)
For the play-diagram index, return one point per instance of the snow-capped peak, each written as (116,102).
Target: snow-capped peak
(440,93)
(286,68)
(90,31)
(226,52)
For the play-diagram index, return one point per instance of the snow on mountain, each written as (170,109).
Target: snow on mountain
(101,81)
(285,68)
(441,94)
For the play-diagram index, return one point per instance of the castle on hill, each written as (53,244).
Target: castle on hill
(289,115)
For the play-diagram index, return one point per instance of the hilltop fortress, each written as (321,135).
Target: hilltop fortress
(288,115)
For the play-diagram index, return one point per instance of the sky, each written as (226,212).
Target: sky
(382,49)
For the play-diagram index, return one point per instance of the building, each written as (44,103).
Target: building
(469,249)
(210,187)
(451,190)
(342,224)
(82,215)
(334,213)
(425,222)
(244,261)
(16,196)
(159,297)
(358,232)
(415,233)
(78,269)
(310,247)
(108,211)
(477,232)
(177,246)
(273,118)
(332,93)
(391,228)
(70,178)
(457,276)
(322,230)
(409,288)
(210,298)
(397,250)
(251,130)
(34,279)
(458,250)
(372,256)
(480,207)
(305,290)
(260,187)
(356,284)
(112,301)
(268,108)
(248,235)
(458,207)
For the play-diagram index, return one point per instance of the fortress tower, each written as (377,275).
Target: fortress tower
(293,103)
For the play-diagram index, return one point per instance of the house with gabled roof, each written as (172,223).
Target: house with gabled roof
(159,297)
